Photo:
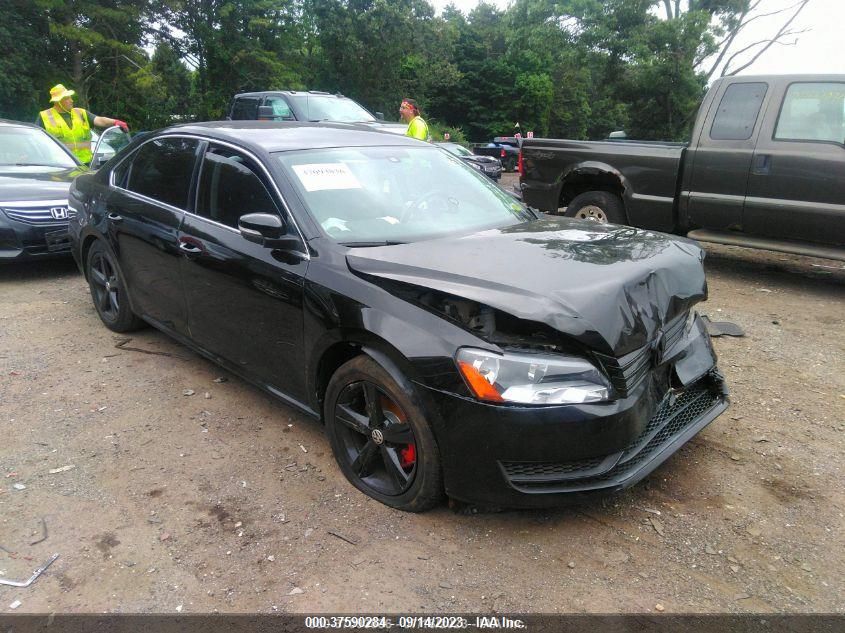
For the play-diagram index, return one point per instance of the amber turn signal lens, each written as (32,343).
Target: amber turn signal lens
(478,384)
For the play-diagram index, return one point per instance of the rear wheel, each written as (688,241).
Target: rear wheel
(380,437)
(109,291)
(599,206)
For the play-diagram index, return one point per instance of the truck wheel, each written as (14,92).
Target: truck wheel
(599,206)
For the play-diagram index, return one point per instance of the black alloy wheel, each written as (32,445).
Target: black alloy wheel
(380,438)
(108,291)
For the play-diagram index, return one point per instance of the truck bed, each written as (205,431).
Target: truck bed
(645,173)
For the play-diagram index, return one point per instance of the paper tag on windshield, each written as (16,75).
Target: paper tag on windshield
(324,176)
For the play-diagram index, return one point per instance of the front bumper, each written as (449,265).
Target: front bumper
(537,457)
(22,240)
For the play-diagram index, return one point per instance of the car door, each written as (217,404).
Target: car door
(796,189)
(721,160)
(144,208)
(244,300)
(109,143)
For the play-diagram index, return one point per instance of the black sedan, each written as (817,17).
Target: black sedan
(451,341)
(487,165)
(35,175)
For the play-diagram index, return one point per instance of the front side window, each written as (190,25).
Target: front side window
(230,187)
(738,112)
(162,170)
(31,147)
(365,195)
(281,109)
(245,109)
(813,112)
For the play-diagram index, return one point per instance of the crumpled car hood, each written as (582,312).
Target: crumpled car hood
(610,287)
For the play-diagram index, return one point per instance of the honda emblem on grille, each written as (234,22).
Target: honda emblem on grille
(59,213)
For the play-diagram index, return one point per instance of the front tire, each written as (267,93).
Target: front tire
(109,291)
(599,206)
(380,437)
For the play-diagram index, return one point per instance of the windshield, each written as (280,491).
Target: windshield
(332,108)
(23,146)
(457,150)
(375,195)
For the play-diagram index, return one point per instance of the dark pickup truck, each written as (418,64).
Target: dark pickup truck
(765,168)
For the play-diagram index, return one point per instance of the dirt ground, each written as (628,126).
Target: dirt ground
(227,500)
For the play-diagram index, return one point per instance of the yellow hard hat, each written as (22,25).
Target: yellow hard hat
(59,92)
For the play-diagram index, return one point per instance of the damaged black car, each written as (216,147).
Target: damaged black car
(452,342)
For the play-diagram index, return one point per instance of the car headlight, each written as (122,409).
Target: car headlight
(476,166)
(531,378)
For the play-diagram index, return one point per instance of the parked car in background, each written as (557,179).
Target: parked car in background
(307,105)
(487,165)
(379,283)
(505,148)
(764,169)
(35,173)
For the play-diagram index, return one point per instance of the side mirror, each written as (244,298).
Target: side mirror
(267,230)
(266,113)
(380,116)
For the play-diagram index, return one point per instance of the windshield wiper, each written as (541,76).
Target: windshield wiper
(356,244)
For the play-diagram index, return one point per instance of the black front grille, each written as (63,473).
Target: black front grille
(534,472)
(672,418)
(628,371)
(674,331)
(40,215)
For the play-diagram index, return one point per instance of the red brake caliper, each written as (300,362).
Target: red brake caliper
(407,455)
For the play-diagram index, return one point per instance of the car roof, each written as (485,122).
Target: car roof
(292,93)
(9,122)
(280,136)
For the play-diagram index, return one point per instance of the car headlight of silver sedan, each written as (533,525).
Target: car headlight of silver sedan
(531,378)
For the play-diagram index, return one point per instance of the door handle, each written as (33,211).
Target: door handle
(114,217)
(762,164)
(190,248)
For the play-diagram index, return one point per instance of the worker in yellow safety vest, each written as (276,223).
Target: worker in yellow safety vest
(417,127)
(72,126)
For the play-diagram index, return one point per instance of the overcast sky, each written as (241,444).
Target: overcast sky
(820,50)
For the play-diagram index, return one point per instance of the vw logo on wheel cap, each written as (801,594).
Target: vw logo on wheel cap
(378,436)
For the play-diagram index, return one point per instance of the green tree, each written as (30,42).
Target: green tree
(24,60)
(235,46)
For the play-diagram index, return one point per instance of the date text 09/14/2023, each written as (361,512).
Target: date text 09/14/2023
(413,622)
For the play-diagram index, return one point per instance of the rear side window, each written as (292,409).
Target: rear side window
(230,187)
(162,170)
(281,109)
(245,109)
(738,112)
(813,112)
